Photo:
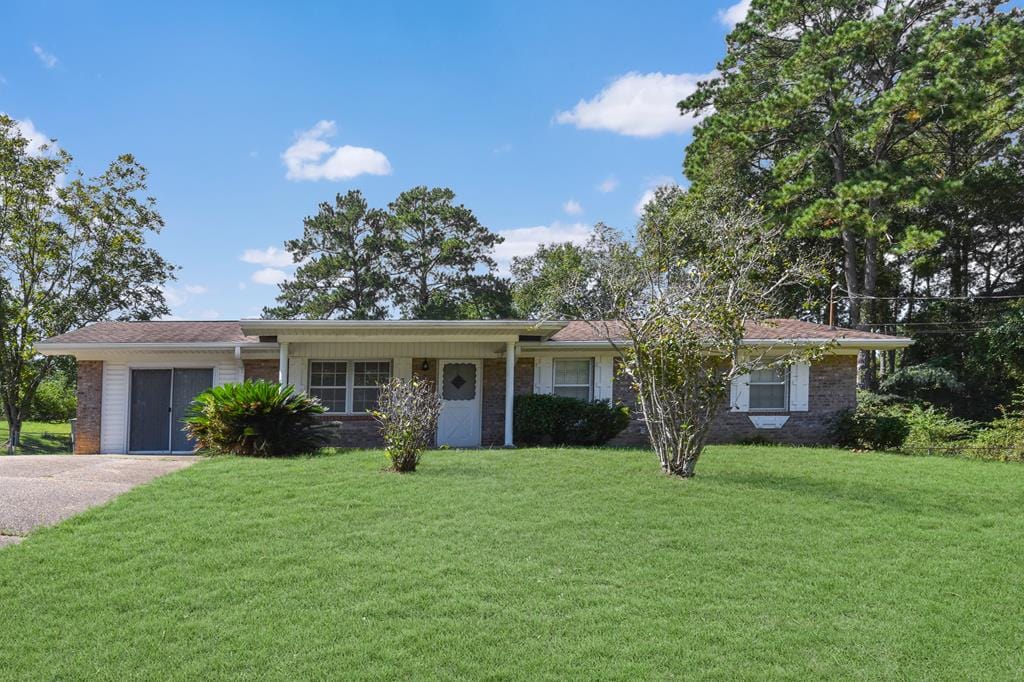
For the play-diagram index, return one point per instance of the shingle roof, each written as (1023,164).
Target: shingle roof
(578,330)
(157,332)
(199,332)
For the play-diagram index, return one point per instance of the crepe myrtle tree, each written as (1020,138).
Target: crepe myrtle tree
(72,251)
(682,296)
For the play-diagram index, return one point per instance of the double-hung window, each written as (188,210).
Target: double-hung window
(574,379)
(348,386)
(769,389)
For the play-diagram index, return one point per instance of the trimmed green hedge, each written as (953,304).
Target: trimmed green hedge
(557,420)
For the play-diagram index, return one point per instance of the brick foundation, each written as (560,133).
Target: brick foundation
(89,393)
(261,369)
(832,390)
(354,431)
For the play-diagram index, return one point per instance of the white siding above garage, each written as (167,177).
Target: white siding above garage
(117,380)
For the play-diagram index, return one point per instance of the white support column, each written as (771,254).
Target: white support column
(510,389)
(282,364)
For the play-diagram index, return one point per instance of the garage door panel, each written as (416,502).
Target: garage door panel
(188,383)
(150,410)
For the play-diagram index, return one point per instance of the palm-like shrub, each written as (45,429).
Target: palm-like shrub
(407,412)
(256,419)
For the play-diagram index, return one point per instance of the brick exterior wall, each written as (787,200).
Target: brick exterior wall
(90,407)
(354,431)
(832,389)
(363,432)
(261,369)
(492,427)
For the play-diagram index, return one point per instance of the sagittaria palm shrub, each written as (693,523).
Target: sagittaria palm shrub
(256,419)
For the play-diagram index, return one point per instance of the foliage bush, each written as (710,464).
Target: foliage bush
(1001,440)
(933,432)
(256,419)
(407,412)
(55,400)
(878,423)
(558,420)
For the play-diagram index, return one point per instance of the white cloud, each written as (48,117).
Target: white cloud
(271,256)
(269,276)
(572,207)
(312,158)
(241,286)
(638,104)
(179,296)
(523,241)
(734,14)
(36,138)
(174,297)
(609,184)
(652,187)
(503,148)
(49,60)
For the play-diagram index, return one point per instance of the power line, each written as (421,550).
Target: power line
(910,298)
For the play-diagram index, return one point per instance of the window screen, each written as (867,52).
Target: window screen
(328,381)
(573,378)
(458,381)
(769,389)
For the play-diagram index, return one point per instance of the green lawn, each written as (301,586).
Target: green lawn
(774,562)
(40,438)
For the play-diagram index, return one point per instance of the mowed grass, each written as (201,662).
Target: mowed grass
(583,564)
(40,438)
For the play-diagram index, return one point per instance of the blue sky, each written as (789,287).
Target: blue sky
(543,117)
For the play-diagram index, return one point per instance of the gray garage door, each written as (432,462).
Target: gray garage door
(160,399)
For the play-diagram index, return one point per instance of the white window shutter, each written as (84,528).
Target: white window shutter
(603,374)
(799,386)
(739,394)
(297,373)
(542,375)
(401,368)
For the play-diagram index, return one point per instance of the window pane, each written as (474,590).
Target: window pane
(767,396)
(327,374)
(572,372)
(371,373)
(458,381)
(364,399)
(768,376)
(332,398)
(578,392)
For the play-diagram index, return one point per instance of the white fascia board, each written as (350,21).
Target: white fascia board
(44,348)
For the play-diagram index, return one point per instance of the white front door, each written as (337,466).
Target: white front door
(459,382)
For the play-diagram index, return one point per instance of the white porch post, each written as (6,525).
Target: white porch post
(282,364)
(510,388)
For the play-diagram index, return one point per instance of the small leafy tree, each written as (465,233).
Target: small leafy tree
(72,251)
(256,419)
(684,295)
(407,412)
(540,281)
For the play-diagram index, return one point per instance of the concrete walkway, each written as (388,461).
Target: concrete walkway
(40,490)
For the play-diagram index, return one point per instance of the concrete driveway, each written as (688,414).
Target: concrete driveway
(40,490)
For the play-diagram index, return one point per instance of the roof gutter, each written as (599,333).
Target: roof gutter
(70,348)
